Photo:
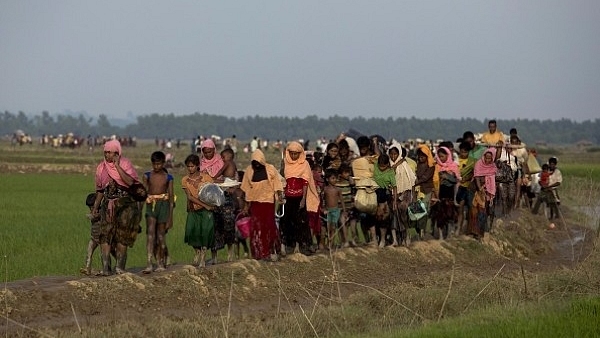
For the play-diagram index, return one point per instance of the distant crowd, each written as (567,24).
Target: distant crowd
(359,190)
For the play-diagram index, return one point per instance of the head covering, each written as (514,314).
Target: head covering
(488,171)
(405,175)
(300,169)
(113,146)
(425,150)
(105,171)
(449,165)
(252,188)
(213,165)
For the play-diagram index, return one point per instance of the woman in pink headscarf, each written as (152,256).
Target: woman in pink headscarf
(449,177)
(211,162)
(118,212)
(483,202)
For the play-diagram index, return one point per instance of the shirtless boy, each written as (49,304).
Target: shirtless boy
(333,198)
(159,211)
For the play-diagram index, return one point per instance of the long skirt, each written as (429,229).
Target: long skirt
(225,223)
(479,219)
(200,229)
(314,222)
(120,221)
(264,236)
(294,224)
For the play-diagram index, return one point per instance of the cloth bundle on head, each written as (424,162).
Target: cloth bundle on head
(488,171)
(213,165)
(300,169)
(107,170)
(405,176)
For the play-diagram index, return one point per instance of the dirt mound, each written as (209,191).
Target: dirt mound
(265,290)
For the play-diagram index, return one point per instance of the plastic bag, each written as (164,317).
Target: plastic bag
(212,195)
(243,225)
(417,210)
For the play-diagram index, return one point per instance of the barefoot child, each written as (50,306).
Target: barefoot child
(314,217)
(349,217)
(95,235)
(333,198)
(385,177)
(159,211)
(199,225)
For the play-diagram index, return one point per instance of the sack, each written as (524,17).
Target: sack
(447,179)
(417,210)
(366,200)
(137,191)
(533,167)
(504,174)
(212,195)
(242,224)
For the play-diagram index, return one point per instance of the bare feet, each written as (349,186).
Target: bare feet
(160,269)
(147,270)
(119,271)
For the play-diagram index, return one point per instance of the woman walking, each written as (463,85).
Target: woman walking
(262,186)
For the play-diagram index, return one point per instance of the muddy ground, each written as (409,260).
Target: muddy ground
(262,290)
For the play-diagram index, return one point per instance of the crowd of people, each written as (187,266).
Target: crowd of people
(363,191)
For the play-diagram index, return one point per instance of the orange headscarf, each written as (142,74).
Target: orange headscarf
(300,169)
(431,162)
(260,191)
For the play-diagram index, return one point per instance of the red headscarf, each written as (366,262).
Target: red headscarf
(107,170)
(213,165)
(488,171)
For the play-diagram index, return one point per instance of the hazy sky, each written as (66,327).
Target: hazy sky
(502,59)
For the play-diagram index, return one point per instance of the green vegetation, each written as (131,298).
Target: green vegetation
(576,318)
(45,231)
(310,127)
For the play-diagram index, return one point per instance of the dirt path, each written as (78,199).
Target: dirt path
(263,289)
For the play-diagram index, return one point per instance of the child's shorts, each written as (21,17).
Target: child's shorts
(463,195)
(160,211)
(333,215)
(382,195)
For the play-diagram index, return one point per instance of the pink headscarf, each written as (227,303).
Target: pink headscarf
(449,165)
(488,171)
(213,165)
(107,170)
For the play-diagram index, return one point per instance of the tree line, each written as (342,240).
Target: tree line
(186,127)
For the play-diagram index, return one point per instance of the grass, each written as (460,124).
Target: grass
(576,318)
(45,231)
